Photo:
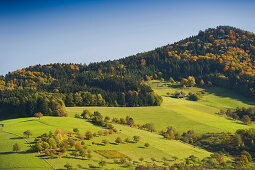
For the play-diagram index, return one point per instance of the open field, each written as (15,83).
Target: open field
(183,114)
(158,148)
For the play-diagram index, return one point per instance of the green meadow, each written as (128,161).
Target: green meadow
(158,148)
(183,114)
(199,116)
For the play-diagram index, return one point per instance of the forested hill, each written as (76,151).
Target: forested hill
(224,56)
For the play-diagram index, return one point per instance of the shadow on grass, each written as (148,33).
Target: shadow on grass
(28,120)
(223,92)
(141,147)
(21,152)
(19,137)
(175,86)
(113,143)
(99,144)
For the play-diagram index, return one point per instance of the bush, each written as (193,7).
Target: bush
(89,135)
(127,140)
(76,130)
(39,115)
(146,144)
(118,140)
(136,138)
(86,114)
(105,142)
(77,116)
(194,96)
(246,119)
(27,133)
(16,147)
(68,166)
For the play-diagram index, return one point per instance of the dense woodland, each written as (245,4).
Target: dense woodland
(224,57)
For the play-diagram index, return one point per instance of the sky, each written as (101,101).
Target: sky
(83,31)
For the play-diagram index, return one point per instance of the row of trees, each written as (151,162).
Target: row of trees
(241,142)
(247,115)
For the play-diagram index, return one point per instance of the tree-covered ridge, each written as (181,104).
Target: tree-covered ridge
(234,48)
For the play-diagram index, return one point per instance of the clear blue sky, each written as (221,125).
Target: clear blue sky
(75,31)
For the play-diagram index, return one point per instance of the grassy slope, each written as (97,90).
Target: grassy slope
(20,160)
(183,114)
(37,127)
(158,146)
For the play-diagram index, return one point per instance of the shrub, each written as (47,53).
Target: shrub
(27,133)
(246,119)
(16,147)
(77,116)
(194,96)
(86,114)
(90,155)
(102,163)
(68,166)
(89,135)
(146,144)
(118,140)
(81,136)
(127,140)
(76,130)
(105,142)
(136,138)
(100,132)
(38,115)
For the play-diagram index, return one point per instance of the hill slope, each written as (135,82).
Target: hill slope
(224,56)
(183,114)
(159,147)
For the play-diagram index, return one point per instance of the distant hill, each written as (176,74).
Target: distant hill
(224,56)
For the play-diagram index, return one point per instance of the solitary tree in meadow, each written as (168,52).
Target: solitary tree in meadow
(89,135)
(68,166)
(118,140)
(16,147)
(136,138)
(38,115)
(141,159)
(146,145)
(105,142)
(27,133)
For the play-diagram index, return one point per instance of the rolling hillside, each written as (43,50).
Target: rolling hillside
(185,115)
(223,57)
(185,105)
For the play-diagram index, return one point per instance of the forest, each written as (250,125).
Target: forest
(224,56)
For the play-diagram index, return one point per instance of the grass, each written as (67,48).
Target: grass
(20,160)
(183,114)
(110,154)
(158,148)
